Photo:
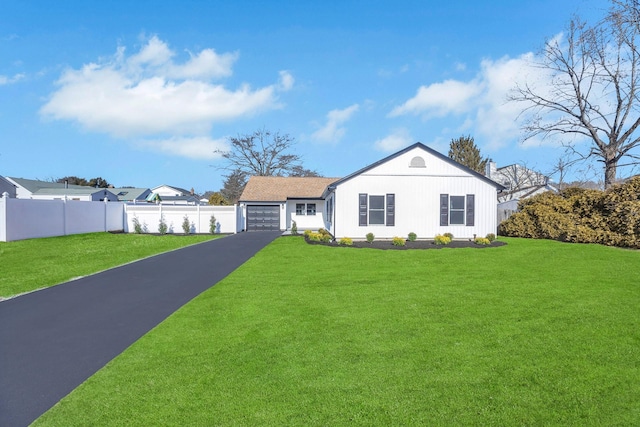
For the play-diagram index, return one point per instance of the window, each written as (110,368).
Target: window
(376,210)
(311,208)
(457,210)
(305,209)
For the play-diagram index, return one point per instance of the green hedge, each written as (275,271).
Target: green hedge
(577,215)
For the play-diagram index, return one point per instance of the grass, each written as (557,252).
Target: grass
(27,265)
(532,333)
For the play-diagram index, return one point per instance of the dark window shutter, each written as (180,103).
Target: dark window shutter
(471,209)
(363,209)
(391,210)
(444,209)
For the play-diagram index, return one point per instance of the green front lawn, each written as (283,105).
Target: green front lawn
(27,265)
(532,333)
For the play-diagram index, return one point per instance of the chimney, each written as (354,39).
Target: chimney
(491,169)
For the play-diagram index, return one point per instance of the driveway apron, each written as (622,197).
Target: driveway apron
(54,339)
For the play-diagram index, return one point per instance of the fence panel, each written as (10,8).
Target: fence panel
(29,218)
(148,216)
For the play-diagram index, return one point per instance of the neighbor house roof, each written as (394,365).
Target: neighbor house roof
(126,194)
(280,189)
(34,185)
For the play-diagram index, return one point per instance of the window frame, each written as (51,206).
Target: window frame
(309,211)
(381,206)
(447,210)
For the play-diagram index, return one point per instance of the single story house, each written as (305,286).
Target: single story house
(44,190)
(167,194)
(414,190)
(274,202)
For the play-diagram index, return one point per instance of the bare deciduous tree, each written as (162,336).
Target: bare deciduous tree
(593,91)
(262,153)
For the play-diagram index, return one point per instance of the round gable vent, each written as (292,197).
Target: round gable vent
(417,162)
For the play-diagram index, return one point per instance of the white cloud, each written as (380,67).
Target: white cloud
(191,147)
(480,103)
(6,80)
(397,140)
(149,94)
(440,99)
(332,130)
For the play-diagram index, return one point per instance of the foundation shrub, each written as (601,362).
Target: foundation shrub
(491,237)
(345,241)
(370,237)
(449,235)
(442,239)
(412,237)
(482,241)
(314,237)
(398,241)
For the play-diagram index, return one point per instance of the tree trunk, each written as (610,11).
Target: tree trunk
(610,166)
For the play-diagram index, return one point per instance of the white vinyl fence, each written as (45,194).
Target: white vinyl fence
(28,218)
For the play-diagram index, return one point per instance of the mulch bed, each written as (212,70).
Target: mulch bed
(418,244)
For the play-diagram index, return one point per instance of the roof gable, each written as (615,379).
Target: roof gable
(280,188)
(418,145)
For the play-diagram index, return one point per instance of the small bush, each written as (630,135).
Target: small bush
(162,225)
(370,237)
(212,225)
(449,235)
(137,227)
(345,241)
(326,238)
(186,225)
(491,237)
(294,228)
(307,233)
(442,239)
(398,241)
(322,231)
(482,241)
(314,237)
(412,237)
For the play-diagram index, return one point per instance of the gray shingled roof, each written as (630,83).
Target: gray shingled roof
(279,188)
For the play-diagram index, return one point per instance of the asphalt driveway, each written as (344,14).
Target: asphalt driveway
(54,339)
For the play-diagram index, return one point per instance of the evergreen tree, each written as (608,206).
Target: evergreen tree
(234,185)
(464,151)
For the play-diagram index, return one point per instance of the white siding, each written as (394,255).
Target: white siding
(417,199)
(305,222)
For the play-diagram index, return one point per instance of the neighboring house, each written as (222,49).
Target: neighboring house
(414,190)
(520,183)
(173,195)
(273,202)
(131,195)
(7,187)
(44,190)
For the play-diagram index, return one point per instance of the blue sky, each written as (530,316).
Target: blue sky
(142,93)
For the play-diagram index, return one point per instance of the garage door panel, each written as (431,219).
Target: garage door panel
(263,218)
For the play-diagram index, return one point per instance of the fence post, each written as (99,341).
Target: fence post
(64,215)
(3,216)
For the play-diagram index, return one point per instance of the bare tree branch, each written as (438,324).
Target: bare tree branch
(594,89)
